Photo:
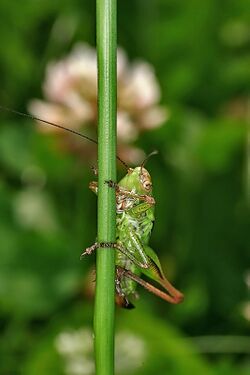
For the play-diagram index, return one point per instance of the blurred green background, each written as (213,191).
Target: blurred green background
(201,56)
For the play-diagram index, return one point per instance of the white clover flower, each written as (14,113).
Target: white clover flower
(247,279)
(75,342)
(246,310)
(32,209)
(77,351)
(130,352)
(246,305)
(70,91)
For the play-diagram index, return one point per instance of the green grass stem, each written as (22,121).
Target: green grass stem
(105,264)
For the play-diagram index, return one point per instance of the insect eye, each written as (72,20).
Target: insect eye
(147,185)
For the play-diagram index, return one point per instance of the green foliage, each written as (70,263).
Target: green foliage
(201,56)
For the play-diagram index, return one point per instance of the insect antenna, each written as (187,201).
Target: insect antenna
(155,152)
(57,126)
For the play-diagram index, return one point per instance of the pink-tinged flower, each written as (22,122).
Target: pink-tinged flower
(70,91)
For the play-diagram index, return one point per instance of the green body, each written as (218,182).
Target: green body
(134,223)
(133,232)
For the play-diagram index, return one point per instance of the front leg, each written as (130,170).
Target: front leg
(94,170)
(128,193)
(93,185)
